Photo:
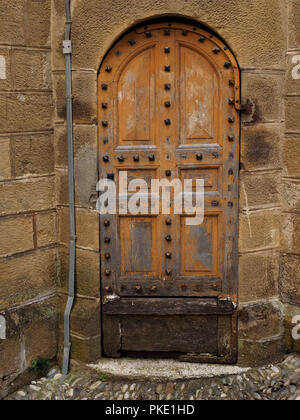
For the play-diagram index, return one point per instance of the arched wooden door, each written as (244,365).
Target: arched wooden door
(168,108)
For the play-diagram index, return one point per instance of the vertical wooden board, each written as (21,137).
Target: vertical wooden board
(201,257)
(138,246)
(199,98)
(112,340)
(227,336)
(135,96)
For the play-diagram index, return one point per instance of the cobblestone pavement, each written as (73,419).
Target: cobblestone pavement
(274,382)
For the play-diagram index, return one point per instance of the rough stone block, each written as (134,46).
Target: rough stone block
(5,160)
(58,34)
(85,137)
(86,178)
(292,112)
(259,231)
(5,69)
(260,147)
(33,154)
(86,350)
(260,353)
(20,111)
(87,228)
(12,29)
(31,332)
(85,97)
(85,317)
(35,326)
(266,92)
(289,280)
(22,196)
(261,320)
(38,22)
(292,317)
(25,22)
(41,339)
(62,188)
(292,84)
(291,195)
(27,277)
(87,272)
(86,165)
(258,276)
(259,190)
(32,70)
(10,360)
(16,235)
(46,225)
(293,24)
(290,233)
(291,155)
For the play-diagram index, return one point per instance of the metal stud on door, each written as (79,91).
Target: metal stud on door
(168,108)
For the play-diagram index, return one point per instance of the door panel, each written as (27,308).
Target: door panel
(168,109)
(138,238)
(201,257)
(136,96)
(199,96)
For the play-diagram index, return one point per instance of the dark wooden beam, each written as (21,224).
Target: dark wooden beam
(167,306)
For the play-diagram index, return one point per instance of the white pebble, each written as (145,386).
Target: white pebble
(124,388)
(95,385)
(21,393)
(70,393)
(35,388)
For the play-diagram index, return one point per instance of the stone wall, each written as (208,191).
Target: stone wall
(290,240)
(264,36)
(28,256)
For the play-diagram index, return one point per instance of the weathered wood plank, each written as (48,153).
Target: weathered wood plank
(170,334)
(111,336)
(167,306)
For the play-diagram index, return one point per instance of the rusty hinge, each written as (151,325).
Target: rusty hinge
(247,107)
(227,303)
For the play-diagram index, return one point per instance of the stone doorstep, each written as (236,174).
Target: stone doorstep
(162,369)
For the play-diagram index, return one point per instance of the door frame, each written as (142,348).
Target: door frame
(228,305)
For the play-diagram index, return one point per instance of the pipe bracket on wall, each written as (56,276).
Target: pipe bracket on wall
(67,47)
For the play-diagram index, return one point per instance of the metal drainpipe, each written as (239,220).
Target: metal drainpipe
(67,50)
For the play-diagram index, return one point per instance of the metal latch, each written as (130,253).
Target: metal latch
(67,47)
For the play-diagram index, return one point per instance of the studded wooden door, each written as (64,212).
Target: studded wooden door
(168,108)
